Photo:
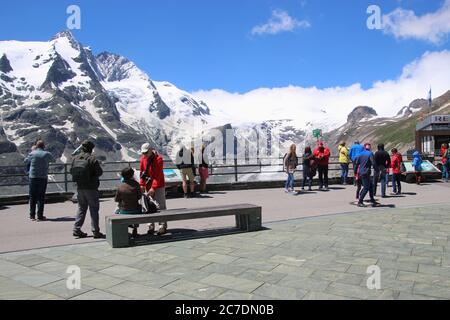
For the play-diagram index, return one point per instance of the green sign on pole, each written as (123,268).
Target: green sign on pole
(317,133)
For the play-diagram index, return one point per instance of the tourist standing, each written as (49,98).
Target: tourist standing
(185,163)
(203,171)
(364,163)
(152,181)
(37,163)
(86,171)
(382,166)
(344,160)
(396,165)
(322,154)
(308,168)
(290,163)
(445,162)
(354,152)
(446,165)
(417,164)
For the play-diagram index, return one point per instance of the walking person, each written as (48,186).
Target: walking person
(185,163)
(86,171)
(445,162)
(152,181)
(382,166)
(364,163)
(322,154)
(203,171)
(344,160)
(37,163)
(290,164)
(354,152)
(308,168)
(417,164)
(396,166)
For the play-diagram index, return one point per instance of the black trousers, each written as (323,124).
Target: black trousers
(323,175)
(38,187)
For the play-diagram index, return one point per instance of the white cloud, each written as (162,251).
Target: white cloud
(280,21)
(304,105)
(433,27)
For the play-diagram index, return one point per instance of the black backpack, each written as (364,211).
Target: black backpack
(150,206)
(80,170)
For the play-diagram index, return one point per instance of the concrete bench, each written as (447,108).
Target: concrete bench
(248,218)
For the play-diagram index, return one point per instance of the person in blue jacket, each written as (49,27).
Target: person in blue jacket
(354,152)
(364,164)
(417,164)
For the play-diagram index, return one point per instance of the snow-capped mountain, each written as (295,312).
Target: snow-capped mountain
(60,92)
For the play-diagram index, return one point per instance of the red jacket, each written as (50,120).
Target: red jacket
(323,157)
(444,160)
(155,171)
(396,163)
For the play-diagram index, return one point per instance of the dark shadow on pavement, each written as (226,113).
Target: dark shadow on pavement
(337,188)
(409,193)
(3,207)
(62,219)
(173,235)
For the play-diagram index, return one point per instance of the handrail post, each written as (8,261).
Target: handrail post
(235,170)
(66,184)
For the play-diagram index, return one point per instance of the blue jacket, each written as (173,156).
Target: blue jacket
(355,151)
(417,161)
(38,160)
(365,162)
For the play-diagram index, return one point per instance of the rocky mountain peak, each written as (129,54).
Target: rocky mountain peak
(361,112)
(115,67)
(67,34)
(5,65)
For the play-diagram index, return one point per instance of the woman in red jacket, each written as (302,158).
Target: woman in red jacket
(396,165)
(152,181)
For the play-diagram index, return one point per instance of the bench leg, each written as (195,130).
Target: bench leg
(249,222)
(117,235)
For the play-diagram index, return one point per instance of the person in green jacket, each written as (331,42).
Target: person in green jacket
(344,161)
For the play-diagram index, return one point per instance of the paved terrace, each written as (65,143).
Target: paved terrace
(316,246)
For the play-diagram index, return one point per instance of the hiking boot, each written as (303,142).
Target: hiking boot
(79,234)
(99,235)
(162,230)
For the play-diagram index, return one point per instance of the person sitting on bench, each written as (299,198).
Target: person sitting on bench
(128,196)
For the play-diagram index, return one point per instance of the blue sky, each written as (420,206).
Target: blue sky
(208,44)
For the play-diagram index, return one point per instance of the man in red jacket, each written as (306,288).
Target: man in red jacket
(322,154)
(152,181)
(396,165)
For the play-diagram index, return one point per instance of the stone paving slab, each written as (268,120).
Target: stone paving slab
(315,258)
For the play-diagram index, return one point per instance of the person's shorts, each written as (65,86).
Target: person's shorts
(204,173)
(187,174)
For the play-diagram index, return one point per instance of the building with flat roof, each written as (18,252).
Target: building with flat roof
(431,133)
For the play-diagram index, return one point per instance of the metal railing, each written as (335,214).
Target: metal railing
(59,173)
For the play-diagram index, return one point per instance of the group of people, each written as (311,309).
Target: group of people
(86,171)
(313,162)
(370,168)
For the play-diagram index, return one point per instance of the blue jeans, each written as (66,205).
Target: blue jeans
(38,187)
(380,175)
(445,172)
(344,173)
(396,183)
(367,188)
(290,181)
